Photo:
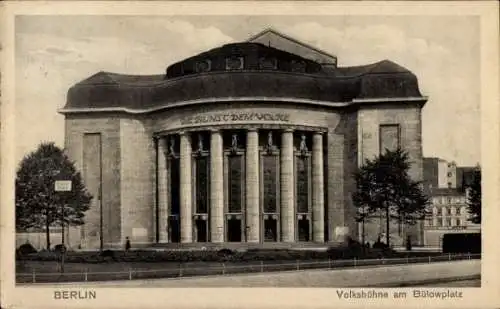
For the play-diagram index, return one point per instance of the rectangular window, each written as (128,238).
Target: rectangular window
(235,164)
(92,171)
(268,63)
(448,222)
(174,186)
(459,222)
(448,211)
(270,183)
(302,184)
(202,190)
(234,63)
(389,137)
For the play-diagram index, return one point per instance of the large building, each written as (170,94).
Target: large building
(247,144)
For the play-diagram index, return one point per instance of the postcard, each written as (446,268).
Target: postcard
(249,154)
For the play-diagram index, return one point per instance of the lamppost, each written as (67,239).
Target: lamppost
(62,186)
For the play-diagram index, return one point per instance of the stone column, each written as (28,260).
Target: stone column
(162,190)
(216,188)
(318,187)
(252,187)
(287,182)
(186,207)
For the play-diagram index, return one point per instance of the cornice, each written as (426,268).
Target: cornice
(297,101)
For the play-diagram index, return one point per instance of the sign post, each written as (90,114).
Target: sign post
(62,186)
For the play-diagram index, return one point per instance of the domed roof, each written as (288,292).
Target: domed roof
(242,71)
(242,56)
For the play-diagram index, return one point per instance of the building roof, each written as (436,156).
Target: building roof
(445,192)
(183,83)
(289,38)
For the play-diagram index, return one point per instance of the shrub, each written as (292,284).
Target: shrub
(225,252)
(60,248)
(107,254)
(26,248)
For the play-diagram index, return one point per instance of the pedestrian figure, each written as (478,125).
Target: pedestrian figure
(127,244)
(408,243)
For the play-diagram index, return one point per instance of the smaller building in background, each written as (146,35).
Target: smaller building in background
(447,214)
(439,173)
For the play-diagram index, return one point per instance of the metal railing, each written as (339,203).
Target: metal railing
(184,270)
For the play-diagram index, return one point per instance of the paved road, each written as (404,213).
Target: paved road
(386,276)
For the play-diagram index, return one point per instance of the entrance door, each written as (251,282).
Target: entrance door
(234,230)
(201,231)
(270,230)
(304,230)
(175,230)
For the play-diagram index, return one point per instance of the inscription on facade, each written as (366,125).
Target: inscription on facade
(235,117)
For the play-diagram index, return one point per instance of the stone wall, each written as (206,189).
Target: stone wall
(109,128)
(408,117)
(138,170)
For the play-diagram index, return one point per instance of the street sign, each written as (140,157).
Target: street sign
(62,185)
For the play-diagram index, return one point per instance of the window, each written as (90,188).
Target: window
(440,222)
(458,211)
(234,63)
(448,222)
(203,66)
(448,211)
(459,222)
(268,63)
(449,174)
(298,66)
(388,137)
(449,185)
(448,200)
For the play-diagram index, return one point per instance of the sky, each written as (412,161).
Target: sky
(54,52)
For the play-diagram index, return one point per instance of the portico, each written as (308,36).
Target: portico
(241,184)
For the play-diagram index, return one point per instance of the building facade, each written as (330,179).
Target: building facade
(439,173)
(448,213)
(246,144)
(447,185)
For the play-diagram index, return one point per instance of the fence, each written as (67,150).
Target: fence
(183,270)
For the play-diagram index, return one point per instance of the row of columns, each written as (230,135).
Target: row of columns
(252,215)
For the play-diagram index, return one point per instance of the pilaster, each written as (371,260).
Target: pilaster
(252,187)
(287,188)
(216,188)
(186,210)
(318,188)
